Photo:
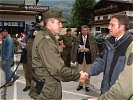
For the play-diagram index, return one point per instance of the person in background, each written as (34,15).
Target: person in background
(22,35)
(28,47)
(100,42)
(7,57)
(75,47)
(47,62)
(23,60)
(39,20)
(60,44)
(86,53)
(112,60)
(66,41)
(122,89)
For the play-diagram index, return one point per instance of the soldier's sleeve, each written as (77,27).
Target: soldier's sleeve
(123,88)
(51,59)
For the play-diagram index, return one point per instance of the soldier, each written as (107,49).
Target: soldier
(67,46)
(47,62)
(27,61)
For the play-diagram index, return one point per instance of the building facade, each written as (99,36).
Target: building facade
(16,14)
(104,9)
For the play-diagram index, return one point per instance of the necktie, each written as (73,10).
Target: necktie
(84,40)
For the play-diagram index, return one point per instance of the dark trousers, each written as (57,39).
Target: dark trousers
(66,56)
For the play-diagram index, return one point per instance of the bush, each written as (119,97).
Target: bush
(16,44)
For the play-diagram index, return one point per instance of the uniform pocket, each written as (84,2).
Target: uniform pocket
(51,89)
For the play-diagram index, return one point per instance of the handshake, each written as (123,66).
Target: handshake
(83,77)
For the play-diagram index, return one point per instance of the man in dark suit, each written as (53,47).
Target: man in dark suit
(86,53)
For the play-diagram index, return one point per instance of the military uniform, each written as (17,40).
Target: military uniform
(66,55)
(123,88)
(46,59)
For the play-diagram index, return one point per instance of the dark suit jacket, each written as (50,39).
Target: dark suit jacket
(80,55)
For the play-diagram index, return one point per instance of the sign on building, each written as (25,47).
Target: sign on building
(30,2)
(36,8)
(12,23)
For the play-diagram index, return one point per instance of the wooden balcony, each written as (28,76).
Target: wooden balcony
(99,22)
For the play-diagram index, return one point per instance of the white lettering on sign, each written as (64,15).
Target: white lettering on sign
(7,23)
(21,24)
(36,8)
(12,23)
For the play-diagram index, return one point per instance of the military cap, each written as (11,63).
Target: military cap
(53,14)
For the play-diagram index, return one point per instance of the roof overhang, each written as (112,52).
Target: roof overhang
(21,9)
(12,12)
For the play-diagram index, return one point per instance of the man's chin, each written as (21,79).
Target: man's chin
(111,34)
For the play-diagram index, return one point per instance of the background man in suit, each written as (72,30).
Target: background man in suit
(86,53)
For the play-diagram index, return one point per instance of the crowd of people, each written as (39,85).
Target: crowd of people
(43,63)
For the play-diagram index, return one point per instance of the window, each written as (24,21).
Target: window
(105,17)
(105,30)
(98,18)
(97,28)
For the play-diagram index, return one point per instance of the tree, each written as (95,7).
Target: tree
(82,12)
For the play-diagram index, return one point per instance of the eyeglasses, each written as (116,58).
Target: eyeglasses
(112,25)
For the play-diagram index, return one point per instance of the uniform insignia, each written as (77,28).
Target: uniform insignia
(47,37)
(130,59)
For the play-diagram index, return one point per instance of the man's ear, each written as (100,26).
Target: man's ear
(122,26)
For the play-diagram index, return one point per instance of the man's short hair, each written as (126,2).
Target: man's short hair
(123,19)
(84,26)
(68,30)
(3,30)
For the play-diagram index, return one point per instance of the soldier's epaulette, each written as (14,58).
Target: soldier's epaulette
(47,37)
(44,37)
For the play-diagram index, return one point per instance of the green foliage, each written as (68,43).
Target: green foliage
(16,44)
(82,12)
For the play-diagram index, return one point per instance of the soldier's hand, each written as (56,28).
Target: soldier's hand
(83,77)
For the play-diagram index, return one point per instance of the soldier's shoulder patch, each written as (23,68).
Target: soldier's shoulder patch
(130,59)
(47,37)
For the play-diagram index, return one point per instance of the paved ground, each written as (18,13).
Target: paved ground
(68,88)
